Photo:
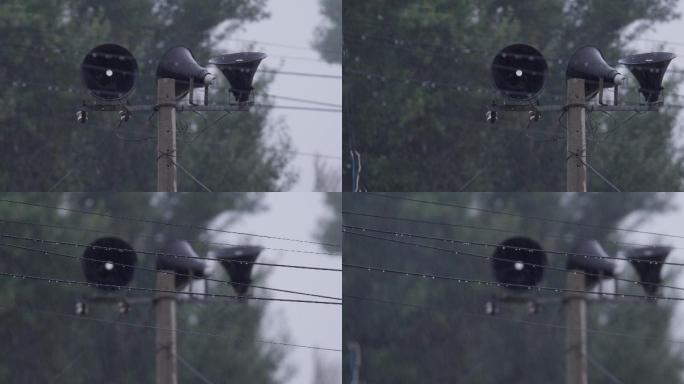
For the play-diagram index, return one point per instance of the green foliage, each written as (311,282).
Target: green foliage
(329,35)
(418,84)
(448,337)
(45,148)
(40,347)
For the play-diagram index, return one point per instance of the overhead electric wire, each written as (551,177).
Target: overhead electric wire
(150,221)
(306,101)
(210,243)
(160,253)
(479,243)
(518,215)
(490,229)
(54,280)
(506,319)
(462,280)
(531,264)
(173,273)
(145,326)
(303,74)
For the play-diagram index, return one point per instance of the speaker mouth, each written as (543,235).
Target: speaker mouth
(109,72)
(237,58)
(647,58)
(518,263)
(109,261)
(519,71)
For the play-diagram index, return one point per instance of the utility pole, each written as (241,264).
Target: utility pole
(576,155)
(165,344)
(166,135)
(576,329)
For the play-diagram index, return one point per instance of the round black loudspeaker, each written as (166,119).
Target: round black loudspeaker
(109,72)
(519,71)
(109,261)
(518,263)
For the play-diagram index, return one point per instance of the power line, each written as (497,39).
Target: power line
(191,276)
(490,229)
(210,243)
(492,258)
(307,101)
(149,221)
(468,243)
(501,318)
(145,326)
(303,74)
(155,290)
(159,253)
(462,280)
(513,214)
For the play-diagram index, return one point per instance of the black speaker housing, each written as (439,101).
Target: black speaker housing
(109,72)
(648,262)
(649,70)
(597,267)
(239,70)
(510,263)
(178,63)
(186,267)
(109,261)
(587,63)
(238,262)
(519,71)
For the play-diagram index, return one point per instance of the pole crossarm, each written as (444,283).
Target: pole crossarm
(180,107)
(588,108)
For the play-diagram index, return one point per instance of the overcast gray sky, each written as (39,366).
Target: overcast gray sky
(297,215)
(293,24)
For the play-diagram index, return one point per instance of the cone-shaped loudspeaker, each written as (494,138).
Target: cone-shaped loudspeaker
(188,266)
(239,70)
(649,70)
(591,258)
(648,262)
(109,261)
(519,263)
(179,64)
(238,262)
(109,72)
(519,71)
(587,63)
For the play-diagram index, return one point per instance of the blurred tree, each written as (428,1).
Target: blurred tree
(328,39)
(417,86)
(41,347)
(44,148)
(448,337)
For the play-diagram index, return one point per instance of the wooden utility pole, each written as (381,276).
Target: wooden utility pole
(166,135)
(576,155)
(576,329)
(165,303)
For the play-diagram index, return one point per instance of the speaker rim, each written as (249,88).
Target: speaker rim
(237,58)
(105,242)
(639,58)
(135,72)
(502,260)
(545,72)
